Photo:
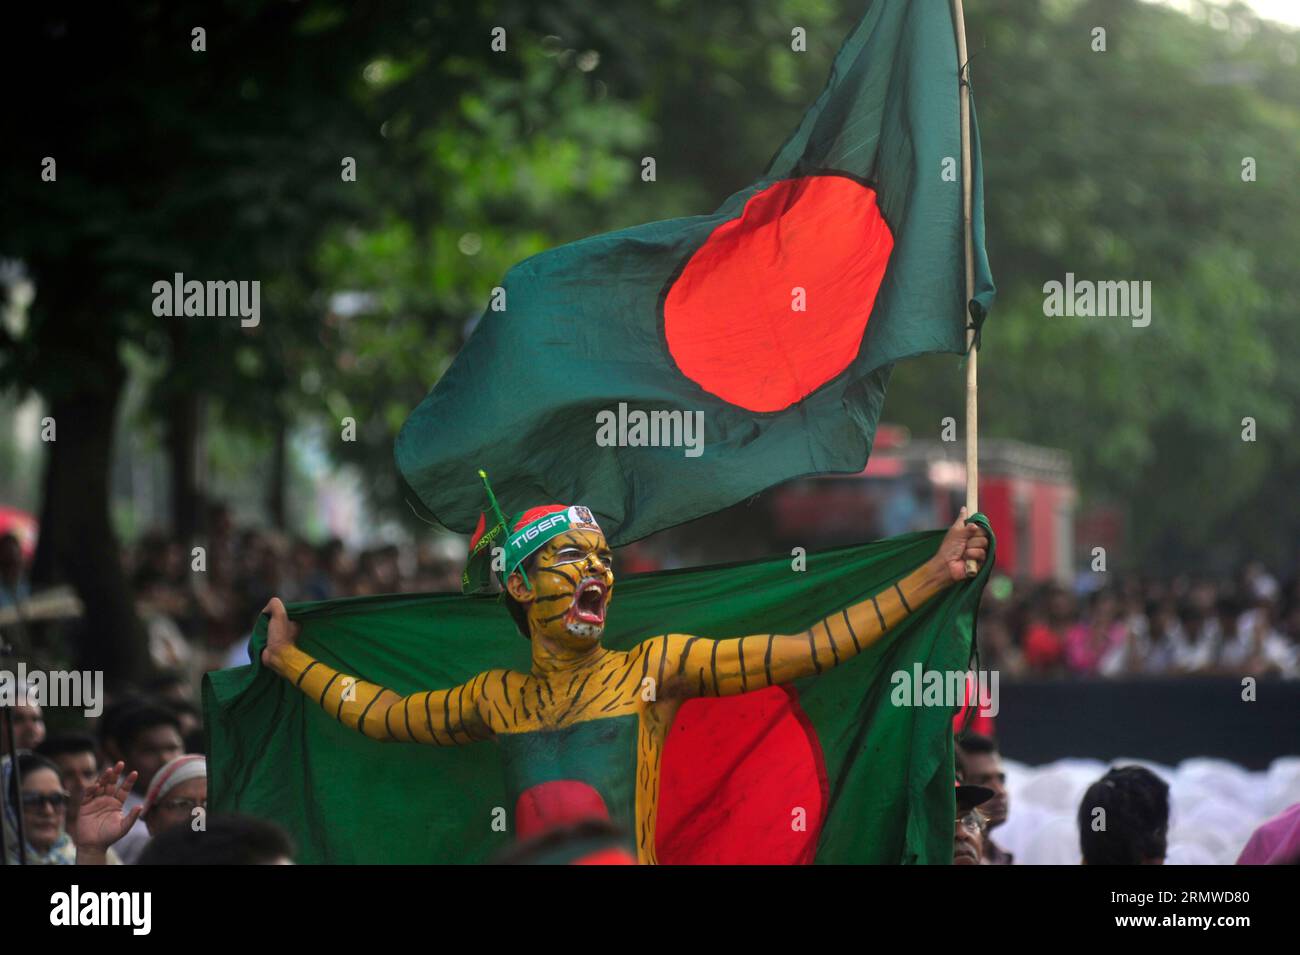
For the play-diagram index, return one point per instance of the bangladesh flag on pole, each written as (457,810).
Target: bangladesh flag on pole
(755,342)
(845,766)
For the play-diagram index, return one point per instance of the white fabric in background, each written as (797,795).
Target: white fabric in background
(1214,807)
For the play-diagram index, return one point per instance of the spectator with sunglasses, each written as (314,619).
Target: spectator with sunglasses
(34,788)
(78,760)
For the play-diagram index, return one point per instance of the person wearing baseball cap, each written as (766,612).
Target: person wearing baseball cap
(971,824)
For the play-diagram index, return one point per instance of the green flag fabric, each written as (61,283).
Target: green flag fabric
(669,370)
(869,768)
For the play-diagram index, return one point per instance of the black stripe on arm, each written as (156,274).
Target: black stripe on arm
(902,598)
(879,616)
(663,661)
(406,712)
(303,675)
(428,720)
(856,646)
(812,645)
(343,698)
(361,723)
(835,651)
(767,659)
(713,665)
(460,709)
(478,700)
(744,683)
(328,684)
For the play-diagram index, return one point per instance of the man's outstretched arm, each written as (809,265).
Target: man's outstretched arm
(693,666)
(439,717)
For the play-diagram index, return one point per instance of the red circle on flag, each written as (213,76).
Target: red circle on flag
(743,782)
(774,304)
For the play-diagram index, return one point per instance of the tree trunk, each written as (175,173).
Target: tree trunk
(77,544)
(184,429)
(275,501)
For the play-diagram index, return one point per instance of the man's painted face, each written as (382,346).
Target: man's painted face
(573,583)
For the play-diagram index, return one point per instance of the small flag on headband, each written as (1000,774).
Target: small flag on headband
(494,551)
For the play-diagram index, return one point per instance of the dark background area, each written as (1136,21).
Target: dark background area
(1165,721)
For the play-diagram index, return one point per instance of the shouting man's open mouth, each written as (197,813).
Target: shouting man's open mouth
(586,614)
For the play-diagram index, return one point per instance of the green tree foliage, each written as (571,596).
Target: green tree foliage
(1123,164)
(1127,164)
(548,153)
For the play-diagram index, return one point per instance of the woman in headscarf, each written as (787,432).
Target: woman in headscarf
(36,790)
(32,786)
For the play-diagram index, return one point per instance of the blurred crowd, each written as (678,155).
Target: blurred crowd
(110,789)
(127,787)
(1248,624)
(199,608)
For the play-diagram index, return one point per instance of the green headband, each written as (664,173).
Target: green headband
(521,544)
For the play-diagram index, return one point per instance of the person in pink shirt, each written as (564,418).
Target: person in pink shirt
(1092,646)
(1276,842)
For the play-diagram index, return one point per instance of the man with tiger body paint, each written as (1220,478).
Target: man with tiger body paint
(585,721)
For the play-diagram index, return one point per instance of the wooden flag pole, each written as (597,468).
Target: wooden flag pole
(972,388)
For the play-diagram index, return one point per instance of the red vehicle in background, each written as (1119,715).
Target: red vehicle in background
(1027,492)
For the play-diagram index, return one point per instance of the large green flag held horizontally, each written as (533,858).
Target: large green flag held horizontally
(764,334)
(870,769)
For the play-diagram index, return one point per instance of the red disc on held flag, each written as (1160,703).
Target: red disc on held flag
(743,782)
(775,303)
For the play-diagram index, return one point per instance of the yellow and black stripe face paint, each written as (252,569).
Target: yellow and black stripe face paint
(573,583)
